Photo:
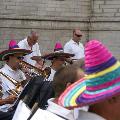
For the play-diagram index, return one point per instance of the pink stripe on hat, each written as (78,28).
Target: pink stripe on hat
(101,93)
(95,56)
(92,46)
(102,86)
(95,62)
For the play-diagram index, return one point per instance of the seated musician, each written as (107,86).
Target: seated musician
(58,58)
(10,72)
(63,78)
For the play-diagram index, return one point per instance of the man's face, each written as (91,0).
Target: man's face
(33,39)
(59,62)
(77,35)
(15,60)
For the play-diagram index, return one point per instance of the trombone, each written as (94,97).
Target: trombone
(17,84)
(32,70)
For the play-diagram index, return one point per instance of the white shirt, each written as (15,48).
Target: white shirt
(74,48)
(50,78)
(52,112)
(59,110)
(76,110)
(22,112)
(45,115)
(69,114)
(35,51)
(7,85)
(83,115)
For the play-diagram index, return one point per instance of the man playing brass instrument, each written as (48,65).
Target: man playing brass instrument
(11,70)
(58,58)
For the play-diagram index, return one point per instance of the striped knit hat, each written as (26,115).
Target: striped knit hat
(102,80)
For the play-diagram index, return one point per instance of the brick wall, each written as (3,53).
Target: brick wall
(106,10)
(105,22)
(44,9)
(55,19)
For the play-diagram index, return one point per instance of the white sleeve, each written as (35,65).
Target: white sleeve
(21,45)
(6,84)
(22,76)
(38,50)
(67,48)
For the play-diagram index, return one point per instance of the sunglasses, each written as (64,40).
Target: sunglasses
(20,57)
(78,35)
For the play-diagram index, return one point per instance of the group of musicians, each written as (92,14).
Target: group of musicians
(13,79)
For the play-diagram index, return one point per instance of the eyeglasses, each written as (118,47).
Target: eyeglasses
(78,35)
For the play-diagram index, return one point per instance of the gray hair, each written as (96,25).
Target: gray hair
(33,33)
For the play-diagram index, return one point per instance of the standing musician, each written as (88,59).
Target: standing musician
(31,43)
(9,74)
(74,46)
(58,58)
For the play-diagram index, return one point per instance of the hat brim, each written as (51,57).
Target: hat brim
(93,88)
(6,53)
(36,58)
(51,56)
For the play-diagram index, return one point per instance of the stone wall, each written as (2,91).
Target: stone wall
(55,19)
(105,23)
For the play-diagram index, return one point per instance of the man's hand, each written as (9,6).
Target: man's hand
(39,64)
(10,99)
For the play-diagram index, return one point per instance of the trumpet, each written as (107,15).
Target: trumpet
(32,70)
(17,84)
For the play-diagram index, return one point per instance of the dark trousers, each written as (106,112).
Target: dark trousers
(7,115)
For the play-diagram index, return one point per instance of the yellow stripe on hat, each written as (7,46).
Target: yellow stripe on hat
(73,100)
(110,69)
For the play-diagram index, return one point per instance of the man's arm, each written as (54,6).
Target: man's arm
(38,50)
(8,100)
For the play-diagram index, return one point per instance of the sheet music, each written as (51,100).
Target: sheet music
(45,115)
(22,112)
